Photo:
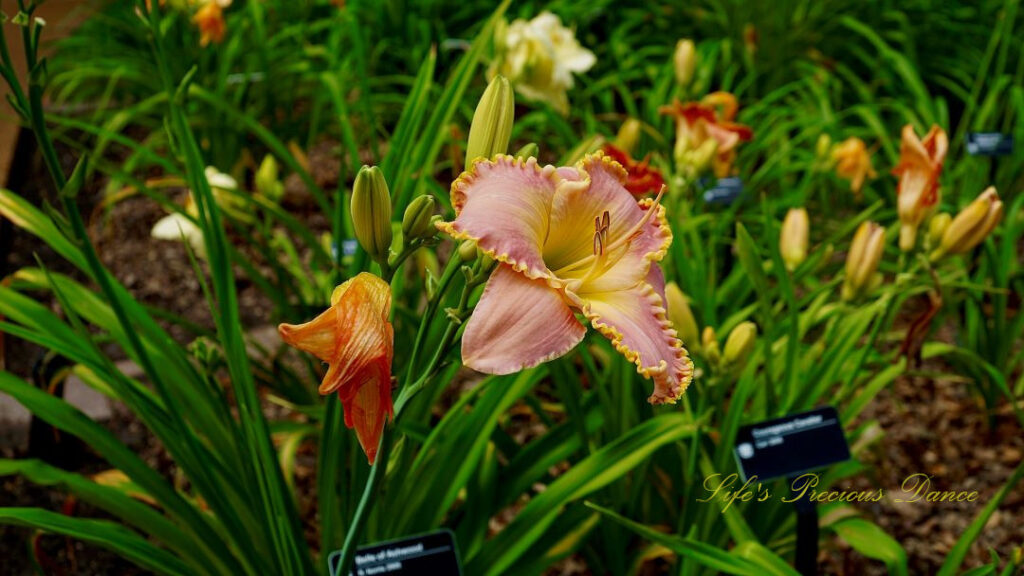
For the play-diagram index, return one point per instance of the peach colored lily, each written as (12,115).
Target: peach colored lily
(918,170)
(356,339)
(641,177)
(709,119)
(853,163)
(210,21)
(566,239)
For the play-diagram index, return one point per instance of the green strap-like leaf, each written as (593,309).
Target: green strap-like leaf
(106,534)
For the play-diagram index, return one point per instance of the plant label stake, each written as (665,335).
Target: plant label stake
(989,144)
(432,553)
(789,447)
(725,191)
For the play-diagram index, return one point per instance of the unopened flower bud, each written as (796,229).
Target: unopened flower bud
(937,227)
(740,344)
(680,314)
(863,259)
(267,182)
(528,151)
(685,61)
(972,225)
(823,149)
(371,212)
(709,344)
(628,136)
(467,251)
(426,263)
(793,238)
(492,122)
(418,221)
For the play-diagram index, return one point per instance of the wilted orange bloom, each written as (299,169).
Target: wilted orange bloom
(210,21)
(853,163)
(356,340)
(710,119)
(641,177)
(918,170)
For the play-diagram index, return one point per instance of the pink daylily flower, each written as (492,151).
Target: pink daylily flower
(567,240)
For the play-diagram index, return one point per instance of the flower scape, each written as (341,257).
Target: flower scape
(327,287)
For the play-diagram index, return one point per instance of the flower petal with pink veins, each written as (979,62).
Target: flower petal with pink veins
(518,323)
(636,323)
(503,204)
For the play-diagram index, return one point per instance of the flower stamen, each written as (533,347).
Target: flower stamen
(599,263)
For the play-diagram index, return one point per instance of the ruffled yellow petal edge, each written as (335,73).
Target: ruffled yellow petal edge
(458,197)
(668,387)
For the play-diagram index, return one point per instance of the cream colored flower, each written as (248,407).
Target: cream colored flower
(177,226)
(539,57)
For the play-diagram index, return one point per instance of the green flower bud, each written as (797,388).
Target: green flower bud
(685,62)
(862,260)
(681,316)
(492,122)
(972,225)
(793,238)
(529,151)
(418,221)
(371,212)
(937,227)
(267,182)
(628,135)
(467,251)
(709,344)
(740,344)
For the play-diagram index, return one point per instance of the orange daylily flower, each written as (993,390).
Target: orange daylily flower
(641,177)
(853,163)
(711,119)
(210,21)
(356,339)
(918,170)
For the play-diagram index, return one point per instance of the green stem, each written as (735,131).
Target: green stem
(355,530)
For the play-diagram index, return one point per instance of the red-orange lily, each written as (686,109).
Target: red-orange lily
(711,119)
(356,339)
(641,177)
(210,21)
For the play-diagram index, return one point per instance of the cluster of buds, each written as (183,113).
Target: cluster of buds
(970,227)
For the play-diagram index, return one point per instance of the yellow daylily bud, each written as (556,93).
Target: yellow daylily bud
(685,61)
(937,227)
(418,221)
(793,238)
(267,182)
(709,344)
(628,136)
(739,344)
(863,259)
(371,212)
(492,122)
(680,314)
(823,149)
(467,251)
(426,263)
(698,160)
(528,151)
(972,225)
